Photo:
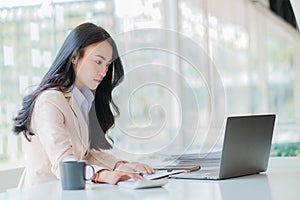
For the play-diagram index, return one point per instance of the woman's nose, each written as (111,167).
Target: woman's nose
(103,73)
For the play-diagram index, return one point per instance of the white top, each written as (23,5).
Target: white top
(84,98)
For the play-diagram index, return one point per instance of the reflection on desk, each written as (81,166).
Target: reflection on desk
(280,182)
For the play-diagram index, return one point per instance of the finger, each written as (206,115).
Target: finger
(136,176)
(133,175)
(149,169)
(124,178)
(117,177)
(141,169)
(125,170)
(138,167)
(144,168)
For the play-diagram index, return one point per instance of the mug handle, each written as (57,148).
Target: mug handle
(88,165)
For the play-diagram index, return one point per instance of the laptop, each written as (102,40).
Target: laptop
(246,149)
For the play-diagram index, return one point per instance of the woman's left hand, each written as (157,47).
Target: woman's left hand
(134,167)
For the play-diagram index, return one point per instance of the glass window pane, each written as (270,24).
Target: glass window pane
(8,55)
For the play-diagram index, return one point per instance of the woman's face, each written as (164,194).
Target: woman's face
(93,66)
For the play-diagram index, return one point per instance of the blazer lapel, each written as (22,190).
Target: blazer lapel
(79,121)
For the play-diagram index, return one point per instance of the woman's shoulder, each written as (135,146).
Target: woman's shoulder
(52,95)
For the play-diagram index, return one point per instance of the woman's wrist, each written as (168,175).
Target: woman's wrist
(96,177)
(119,163)
(99,176)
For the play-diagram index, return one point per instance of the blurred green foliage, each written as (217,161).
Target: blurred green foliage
(285,149)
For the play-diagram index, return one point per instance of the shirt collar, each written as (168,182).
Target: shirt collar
(85,94)
(88,94)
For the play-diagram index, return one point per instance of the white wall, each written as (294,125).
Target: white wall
(296,8)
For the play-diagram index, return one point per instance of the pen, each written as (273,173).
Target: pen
(141,174)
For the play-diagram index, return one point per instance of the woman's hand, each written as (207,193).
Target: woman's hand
(113,177)
(124,171)
(133,167)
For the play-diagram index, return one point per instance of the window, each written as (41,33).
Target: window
(162,87)
(257,65)
(30,37)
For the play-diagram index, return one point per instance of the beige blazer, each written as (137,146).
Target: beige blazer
(61,134)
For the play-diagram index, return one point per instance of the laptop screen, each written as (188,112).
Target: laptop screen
(247,144)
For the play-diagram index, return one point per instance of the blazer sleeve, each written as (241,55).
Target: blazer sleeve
(48,123)
(101,158)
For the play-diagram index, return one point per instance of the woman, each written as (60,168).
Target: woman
(54,118)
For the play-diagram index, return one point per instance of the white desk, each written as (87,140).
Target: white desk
(281,182)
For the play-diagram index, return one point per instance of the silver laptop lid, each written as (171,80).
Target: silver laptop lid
(247,144)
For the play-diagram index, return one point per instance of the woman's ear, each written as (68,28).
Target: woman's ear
(75,58)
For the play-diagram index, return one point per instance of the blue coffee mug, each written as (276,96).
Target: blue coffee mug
(73,174)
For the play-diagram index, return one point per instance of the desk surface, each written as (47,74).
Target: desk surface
(281,182)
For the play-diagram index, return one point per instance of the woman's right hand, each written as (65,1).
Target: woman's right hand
(113,177)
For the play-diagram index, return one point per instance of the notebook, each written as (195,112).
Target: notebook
(246,149)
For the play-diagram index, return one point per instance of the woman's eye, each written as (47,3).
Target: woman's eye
(98,62)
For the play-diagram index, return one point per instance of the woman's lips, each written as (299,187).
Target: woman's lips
(98,80)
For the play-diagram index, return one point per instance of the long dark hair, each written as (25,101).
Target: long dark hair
(61,76)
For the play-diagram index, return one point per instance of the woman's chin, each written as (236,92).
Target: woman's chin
(93,87)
